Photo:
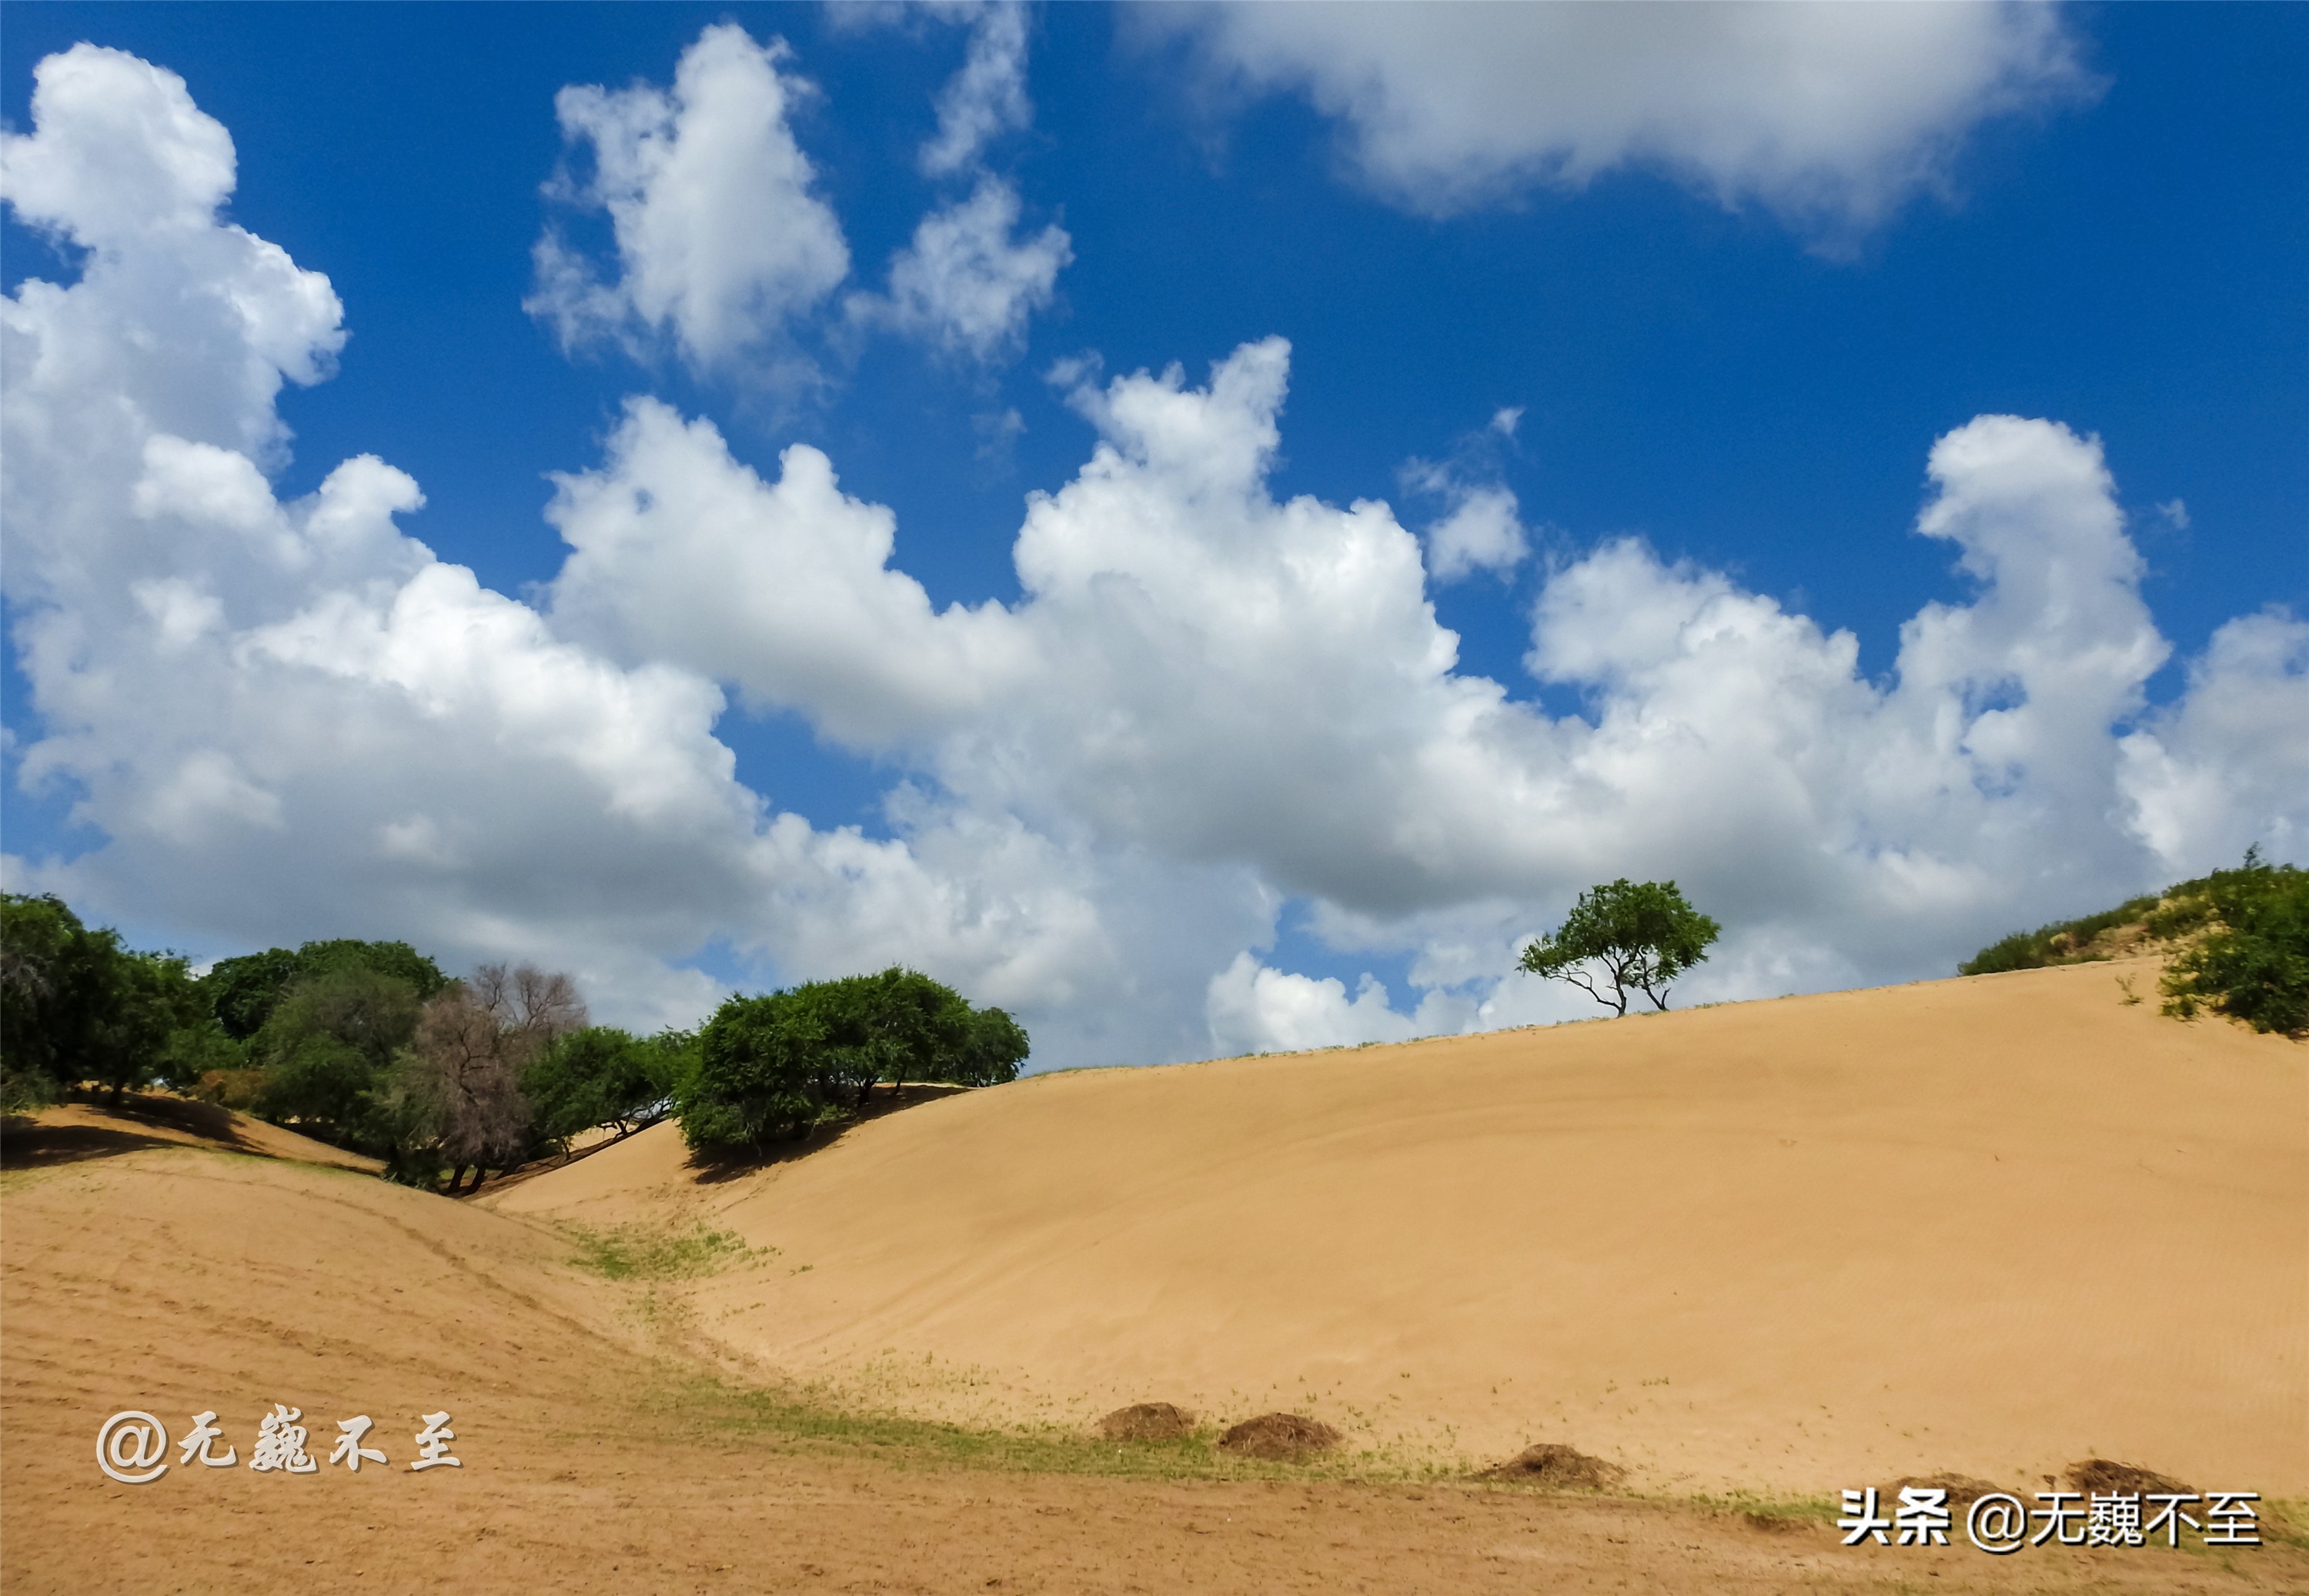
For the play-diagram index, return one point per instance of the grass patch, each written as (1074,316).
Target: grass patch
(651,1253)
(807,1420)
(1765,1510)
(2285,1522)
(2063,942)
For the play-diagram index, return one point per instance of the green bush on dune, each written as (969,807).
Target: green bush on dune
(2252,961)
(2243,950)
(2063,942)
(774,1065)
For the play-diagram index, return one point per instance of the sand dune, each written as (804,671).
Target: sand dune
(1759,1205)
(68,1132)
(1989,1225)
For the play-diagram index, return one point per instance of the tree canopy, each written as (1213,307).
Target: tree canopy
(775,1064)
(326,1044)
(76,1006)
(242,990)
(454,1100)
(370,1046)
(1638,936)
(602,1075)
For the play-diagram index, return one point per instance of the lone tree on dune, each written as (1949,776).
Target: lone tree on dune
(1642,934)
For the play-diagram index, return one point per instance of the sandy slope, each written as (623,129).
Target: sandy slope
(147,1270)
(66,1133)
(1990,1225)
(176,1280)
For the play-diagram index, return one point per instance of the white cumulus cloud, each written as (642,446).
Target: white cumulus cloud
(968,282)
(1203,674)
(1481,528)
(1829,114)
(1254,1009)
(988,96)
(721,239)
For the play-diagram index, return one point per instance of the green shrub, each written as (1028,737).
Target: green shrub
(776,1065)
(2252,964)
(2063,942)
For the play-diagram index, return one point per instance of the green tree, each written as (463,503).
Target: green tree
(1640,936)
(757,1065)
(602,1075)
(777,1064)
(76,1006)
(326,1044)
(139,1001)
(242,991)
(993,1047)
(41,1015)
(2252,961)
(201,1055)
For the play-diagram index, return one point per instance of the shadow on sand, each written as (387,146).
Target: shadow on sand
(713,1166)
(26,1144)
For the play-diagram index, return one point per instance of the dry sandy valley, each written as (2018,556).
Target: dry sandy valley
(1749,1255)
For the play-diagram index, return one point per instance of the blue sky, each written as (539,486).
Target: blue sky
(1735,337)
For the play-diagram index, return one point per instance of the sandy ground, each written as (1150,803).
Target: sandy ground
(1992,1225)
(175,1278)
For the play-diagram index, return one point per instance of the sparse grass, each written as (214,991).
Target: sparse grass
(809,1419)
(2066,942)
(2285,1522)
(653,1252)
(1793,1510)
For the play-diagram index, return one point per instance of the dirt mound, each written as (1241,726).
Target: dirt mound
(1147,1421)
(1280,1437)
(1963,1489)
(2100,1475)
(1562,1468)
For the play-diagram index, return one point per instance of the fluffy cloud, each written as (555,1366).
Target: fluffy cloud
(1203,674)
(721,240)
(288,719)
(1830,114)
(988,96)
(679,552)
(2225,767)
(1254,1009)
(1210,707)
(966,283)
(1481,525)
